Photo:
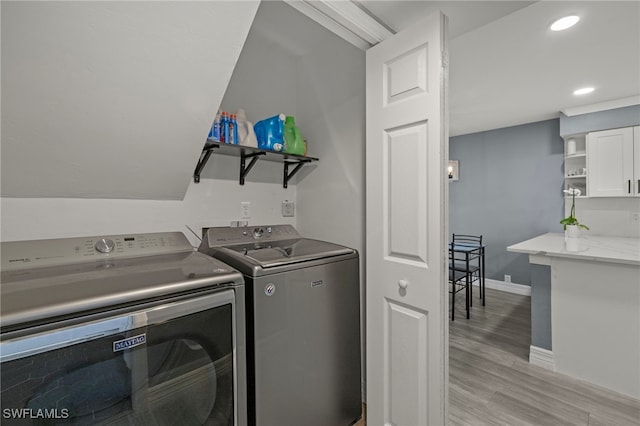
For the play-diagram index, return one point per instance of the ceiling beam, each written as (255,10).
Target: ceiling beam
(602,106)
(345,19)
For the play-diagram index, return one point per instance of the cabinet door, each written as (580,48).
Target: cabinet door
(636,159)
(610,163)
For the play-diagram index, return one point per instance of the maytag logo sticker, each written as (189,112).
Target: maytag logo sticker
(269,289)
(316,283)
(129,343)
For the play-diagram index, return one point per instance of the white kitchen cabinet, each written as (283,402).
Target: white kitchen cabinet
(636,160)
(610,163)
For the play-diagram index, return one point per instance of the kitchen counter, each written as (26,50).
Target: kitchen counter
(592,248)
(594,308)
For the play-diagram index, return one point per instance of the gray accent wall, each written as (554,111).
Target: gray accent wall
(509,190)
(601,120)
(541,306)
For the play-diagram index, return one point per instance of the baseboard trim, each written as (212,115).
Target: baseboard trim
(521,289)
(541,357)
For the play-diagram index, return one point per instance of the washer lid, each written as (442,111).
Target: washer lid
(277,253)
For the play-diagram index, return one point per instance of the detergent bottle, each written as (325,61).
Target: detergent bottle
(224,127)
(233,129)
(293,142)
(214,133)
(246,135)
(270,133)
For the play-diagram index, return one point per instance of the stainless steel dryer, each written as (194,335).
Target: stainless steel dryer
(127,329)
(303,324)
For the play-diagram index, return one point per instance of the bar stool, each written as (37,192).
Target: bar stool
(459,281)
(469,261)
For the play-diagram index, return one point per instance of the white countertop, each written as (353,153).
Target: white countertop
(592,248)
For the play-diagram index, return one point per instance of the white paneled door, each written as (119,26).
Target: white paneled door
(407,190)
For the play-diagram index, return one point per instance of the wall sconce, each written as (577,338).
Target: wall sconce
(453,170)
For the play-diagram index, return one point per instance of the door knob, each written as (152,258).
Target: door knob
(403,284)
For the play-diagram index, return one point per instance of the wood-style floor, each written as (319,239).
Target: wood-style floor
(492,383)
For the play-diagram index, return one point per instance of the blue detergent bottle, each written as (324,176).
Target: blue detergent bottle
(270,133)
(233,130)
(214,133)
(224,127)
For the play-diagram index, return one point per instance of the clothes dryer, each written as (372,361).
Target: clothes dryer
(125,329)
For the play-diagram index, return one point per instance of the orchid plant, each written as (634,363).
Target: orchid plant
(571,219)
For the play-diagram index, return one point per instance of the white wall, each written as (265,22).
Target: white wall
(331,106)
(318,78)
(610,216)
(209,203)
(263,71)
(263,81)
(290,64)
(112,99)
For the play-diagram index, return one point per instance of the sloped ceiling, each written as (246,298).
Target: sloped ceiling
(112,99)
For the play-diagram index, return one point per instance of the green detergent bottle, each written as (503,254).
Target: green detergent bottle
(293,142)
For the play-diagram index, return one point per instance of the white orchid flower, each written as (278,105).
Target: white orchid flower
(571,219)
(573,191)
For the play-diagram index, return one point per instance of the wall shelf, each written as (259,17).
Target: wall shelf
(576,155)
(575,163)
(252,154)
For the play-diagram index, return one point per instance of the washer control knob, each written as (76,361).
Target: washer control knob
(257,233)
(105,245)
(403,284)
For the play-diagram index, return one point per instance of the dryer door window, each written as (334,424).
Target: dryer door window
(176,369)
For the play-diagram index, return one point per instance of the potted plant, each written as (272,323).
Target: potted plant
(571,224)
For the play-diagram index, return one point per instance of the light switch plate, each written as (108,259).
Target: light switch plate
(288,209)
(245,210)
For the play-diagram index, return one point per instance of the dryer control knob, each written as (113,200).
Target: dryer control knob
(105,245)
(257,233)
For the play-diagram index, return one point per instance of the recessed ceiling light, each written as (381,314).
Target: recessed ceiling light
(564,23)
(583,91)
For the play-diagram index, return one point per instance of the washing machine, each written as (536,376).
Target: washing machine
(303,324)
(135,329)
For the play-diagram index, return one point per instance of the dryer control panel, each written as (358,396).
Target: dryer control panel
(225,236)
(63,251)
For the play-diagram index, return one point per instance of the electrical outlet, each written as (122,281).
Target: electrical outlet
(288,209)
(245,210)
(507,278)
